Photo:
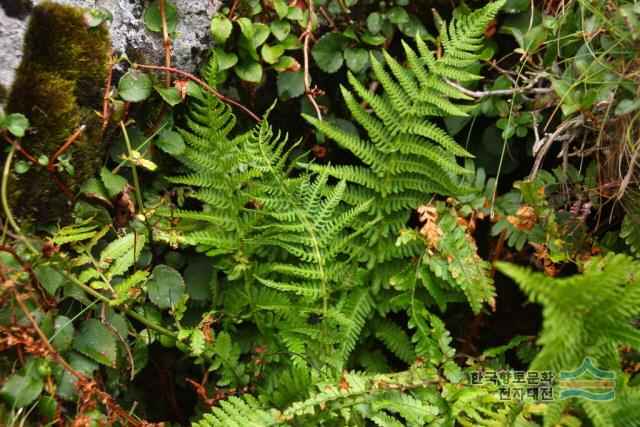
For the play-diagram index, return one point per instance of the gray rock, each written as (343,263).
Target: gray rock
(128,33)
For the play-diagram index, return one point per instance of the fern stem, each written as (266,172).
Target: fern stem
(134,171)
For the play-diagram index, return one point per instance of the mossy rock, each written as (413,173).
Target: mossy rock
(59,87)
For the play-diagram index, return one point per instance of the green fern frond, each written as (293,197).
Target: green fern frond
(584,314)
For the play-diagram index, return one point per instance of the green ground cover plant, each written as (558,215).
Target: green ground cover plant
(407,202)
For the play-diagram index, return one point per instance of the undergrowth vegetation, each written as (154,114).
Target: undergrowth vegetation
(446,233)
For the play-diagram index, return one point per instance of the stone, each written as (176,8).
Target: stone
(128,33)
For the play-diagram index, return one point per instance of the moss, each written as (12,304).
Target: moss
(3,94)
(58,86)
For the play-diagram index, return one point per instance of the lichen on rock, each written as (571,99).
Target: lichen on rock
(58,86)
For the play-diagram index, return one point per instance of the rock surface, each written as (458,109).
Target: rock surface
(128,33)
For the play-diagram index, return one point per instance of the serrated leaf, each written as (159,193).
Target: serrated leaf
(225,60)
(114,183)
(49,278)
(270,54)
(171,95)
(221,28)
(171,142)
(135,86)
(96,341)
(290,84)
(20,390)
(356,59)
(63,333)
(250,72)
(165,287)
(327,52)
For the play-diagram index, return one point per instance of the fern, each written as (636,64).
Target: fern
(407,157)
(587,314)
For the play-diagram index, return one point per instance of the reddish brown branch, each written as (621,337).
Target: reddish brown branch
(233,9)
(51,167)
(307,35)
(105,99)
(203,85)
(166,40)
(84,384)
(21,150)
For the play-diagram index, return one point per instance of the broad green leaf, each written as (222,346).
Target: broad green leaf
(21,166)
(627,106)
(50,278)
(198,277)
(271,53)
(281,8)
(63,333)
(152,16)
(249,71)
(414,26)
(280,29)
(225,60)
(397,15)
(374,22)
(356,58)
(135,86)
(114,183)
(327,52)
(290,84)
(246,27)
(66,388)
(17,124)
(171,142)
(96,341)
(534,38)
(94,186)
(171,94)
(221,28)
(260,34)
(165,287)
(285,63)
(20,390)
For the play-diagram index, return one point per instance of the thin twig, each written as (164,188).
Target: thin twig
(20,150)
(166,40)
(203,85)
(101,395)
(307,34)
(107,92)
(233,9)
(484,93)
(330,21)
(51,167)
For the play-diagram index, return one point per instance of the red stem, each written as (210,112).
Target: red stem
(205,86)
(51,167)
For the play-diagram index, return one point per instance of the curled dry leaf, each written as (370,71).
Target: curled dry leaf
(524,219)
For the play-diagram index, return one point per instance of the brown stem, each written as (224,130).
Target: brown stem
(101,395)
(105,99)
(20,150)
(203,85)
(51,167)
(308,33)
(166,40)
(233,9)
